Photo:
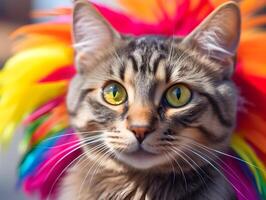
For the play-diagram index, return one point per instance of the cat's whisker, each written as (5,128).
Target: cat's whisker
(171,160)
(73,142)
(100,150)
(224,154)
(80,156)
(191,165)
(203,147)
(107,154)
(62,158)
(70,134)
(75,146)
(91,150)
(221,173)
(233,174)
(181,170)
(63,171)
(94,152)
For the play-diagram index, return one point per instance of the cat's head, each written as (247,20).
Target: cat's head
(154,102)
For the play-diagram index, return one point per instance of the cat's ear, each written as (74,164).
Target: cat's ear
(218,35)
(91,32)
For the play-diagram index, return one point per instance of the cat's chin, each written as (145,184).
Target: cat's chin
(141,159)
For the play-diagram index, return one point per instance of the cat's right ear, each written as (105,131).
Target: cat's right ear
(218,36)
(92,34)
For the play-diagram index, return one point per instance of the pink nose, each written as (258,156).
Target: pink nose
(140,132)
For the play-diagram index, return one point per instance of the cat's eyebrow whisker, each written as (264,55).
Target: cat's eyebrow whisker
(172,42)
(95,81)
(179,60)
(212,165)
(99,78)
(171,50)
(116,55)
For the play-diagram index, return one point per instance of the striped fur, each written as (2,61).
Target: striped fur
(147,66)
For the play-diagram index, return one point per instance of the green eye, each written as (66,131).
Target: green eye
(178,95)
(114,93)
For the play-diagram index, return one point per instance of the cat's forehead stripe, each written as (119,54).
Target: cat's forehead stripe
(146,54)
(134,62)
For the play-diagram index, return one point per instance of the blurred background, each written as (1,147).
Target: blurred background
(13,14)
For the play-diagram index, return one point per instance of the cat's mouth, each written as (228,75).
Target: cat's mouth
(140,154)
(141,159)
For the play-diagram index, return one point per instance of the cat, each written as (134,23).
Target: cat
(152,111)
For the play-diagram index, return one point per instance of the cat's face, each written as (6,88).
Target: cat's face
(153,102)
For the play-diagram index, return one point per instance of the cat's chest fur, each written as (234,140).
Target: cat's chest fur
(100,184)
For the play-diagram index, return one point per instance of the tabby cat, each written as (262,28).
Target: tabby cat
(152,112)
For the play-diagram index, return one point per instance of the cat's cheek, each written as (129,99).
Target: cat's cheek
(82,117)
(192,136)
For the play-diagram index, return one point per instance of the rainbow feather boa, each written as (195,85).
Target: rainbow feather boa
(34,82)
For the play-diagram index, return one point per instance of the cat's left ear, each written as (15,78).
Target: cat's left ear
(218,35)
(91,32)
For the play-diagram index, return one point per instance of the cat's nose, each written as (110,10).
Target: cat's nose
(141,132)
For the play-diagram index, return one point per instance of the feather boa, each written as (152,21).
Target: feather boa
(34,81)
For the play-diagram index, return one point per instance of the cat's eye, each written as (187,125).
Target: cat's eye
(114,93)
(178,95)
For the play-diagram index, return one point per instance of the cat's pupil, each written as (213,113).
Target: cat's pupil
(177,92)
(115,91)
